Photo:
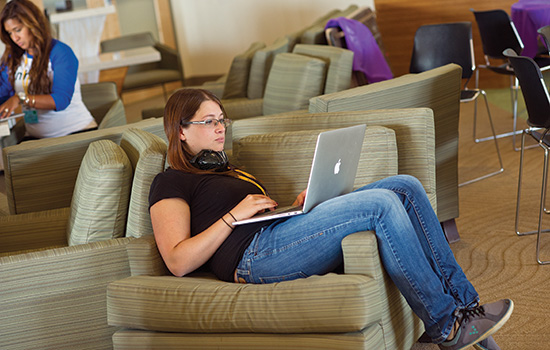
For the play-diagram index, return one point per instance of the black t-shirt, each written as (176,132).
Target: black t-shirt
(210,196)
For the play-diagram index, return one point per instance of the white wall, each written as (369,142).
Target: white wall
(137,16)
(210,33)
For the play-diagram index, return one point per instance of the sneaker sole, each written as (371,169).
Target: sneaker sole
(479,347)
(493,329)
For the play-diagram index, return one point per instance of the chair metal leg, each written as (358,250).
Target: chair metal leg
(541,209)
(520,180)
(514,93)
(496,146)
(520,177)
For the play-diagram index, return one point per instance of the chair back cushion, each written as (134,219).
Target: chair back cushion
(100,198)
(414,133)
(115,116)
(236,84)
(292,81)
(99,97)
(261,65)
(147,153)
(340,64)
(126,42)
(268,157)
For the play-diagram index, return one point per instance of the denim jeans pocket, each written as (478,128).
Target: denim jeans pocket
(281,278)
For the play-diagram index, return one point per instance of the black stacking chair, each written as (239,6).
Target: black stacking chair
(498,33)
(440,44)
(537,102)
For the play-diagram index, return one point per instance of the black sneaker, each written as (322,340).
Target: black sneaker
(478,323)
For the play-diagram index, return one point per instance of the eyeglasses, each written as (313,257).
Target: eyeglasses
(211,123)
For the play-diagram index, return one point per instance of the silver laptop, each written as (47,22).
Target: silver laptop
(332,172)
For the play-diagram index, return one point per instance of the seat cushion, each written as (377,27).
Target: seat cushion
(324,304)
(236,84)
(292,81)
(100,199)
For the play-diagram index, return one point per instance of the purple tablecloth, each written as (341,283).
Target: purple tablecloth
(528,16)
(367,56)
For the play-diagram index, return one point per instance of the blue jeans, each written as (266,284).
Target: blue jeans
(412,245)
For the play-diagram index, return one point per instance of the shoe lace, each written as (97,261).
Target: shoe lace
(472,312)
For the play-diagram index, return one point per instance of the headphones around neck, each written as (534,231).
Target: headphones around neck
(208,159)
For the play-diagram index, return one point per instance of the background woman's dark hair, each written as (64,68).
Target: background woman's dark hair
(31,17)
(181,107)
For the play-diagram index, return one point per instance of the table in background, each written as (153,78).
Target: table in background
(114,65)
(81,29)
(528,16)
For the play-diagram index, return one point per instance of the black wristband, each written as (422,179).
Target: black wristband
(231,227)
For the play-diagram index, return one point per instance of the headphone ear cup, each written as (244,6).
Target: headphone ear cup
(210,160)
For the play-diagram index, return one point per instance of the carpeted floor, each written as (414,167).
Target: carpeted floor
(499,264)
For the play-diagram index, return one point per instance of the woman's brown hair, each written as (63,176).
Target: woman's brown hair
(31,17)
(181,107)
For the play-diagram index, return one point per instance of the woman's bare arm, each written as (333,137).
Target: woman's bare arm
(182,254)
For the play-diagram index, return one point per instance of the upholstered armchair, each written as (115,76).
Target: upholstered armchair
(55,264)
(296,77)
(168,69)
(438,89)
(246,78)
(358,308)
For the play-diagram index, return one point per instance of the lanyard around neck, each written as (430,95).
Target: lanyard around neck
(25,78)
(249,178)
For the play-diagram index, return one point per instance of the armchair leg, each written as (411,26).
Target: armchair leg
(450,230)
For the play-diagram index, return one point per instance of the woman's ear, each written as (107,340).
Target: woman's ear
(182,135)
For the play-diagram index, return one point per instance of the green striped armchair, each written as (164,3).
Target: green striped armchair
(55,264)
(437,89)
(359,308)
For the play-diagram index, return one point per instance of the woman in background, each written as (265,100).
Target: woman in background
(39,74)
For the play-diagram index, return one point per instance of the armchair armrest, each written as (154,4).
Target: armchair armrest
(59,293)
(215,87)
(145,258)
(34,230)
(169,57)
(361,254)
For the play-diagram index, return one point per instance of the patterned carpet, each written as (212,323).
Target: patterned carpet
(499,263)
